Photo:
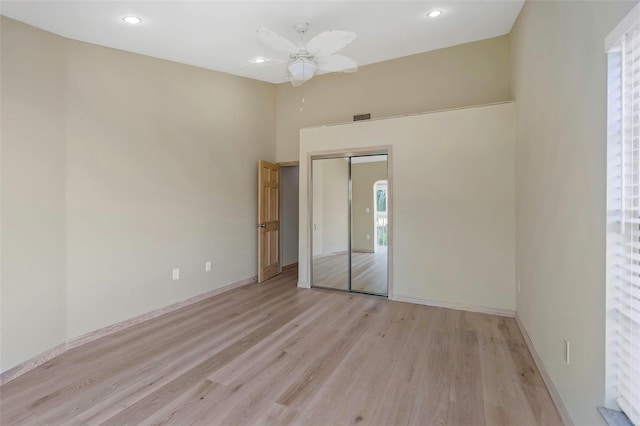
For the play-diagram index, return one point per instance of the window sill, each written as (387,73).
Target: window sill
(614,417)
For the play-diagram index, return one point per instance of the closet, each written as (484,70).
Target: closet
(350,223)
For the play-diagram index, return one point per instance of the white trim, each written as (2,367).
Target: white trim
(331,253)
(626,25)
(32,363)
(409,115)
(40,359)
(458,306)
(114,328)
(553,392)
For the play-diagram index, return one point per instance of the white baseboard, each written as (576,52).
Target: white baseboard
(330,253)
(38,360)
(32,363)
(290,267)
(458,306)
(553,392)
(114,328)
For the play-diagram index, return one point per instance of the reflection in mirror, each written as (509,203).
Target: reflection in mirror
(369,225)
(330,248)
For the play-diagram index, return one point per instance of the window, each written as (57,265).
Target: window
(380,215)
(623,217)
(381,200)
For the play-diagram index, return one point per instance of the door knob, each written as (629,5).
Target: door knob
(261,225)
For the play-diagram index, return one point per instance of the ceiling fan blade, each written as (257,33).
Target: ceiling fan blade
(337,63)
(276,41)
(329,42)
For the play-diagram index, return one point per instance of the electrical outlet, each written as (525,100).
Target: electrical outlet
(176,274)
(368,237)
(567,351)
(519,286)
(207,266)
(366,210)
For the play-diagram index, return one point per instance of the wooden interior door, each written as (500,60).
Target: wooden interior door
(268,220)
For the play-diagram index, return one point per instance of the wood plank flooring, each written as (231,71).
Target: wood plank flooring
(275,354)
(369,272)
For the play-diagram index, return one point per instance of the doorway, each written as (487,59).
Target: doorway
(349,196)
(277,218)
(289,208)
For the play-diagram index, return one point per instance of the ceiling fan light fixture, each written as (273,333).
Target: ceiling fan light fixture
(434,13)
(302,69)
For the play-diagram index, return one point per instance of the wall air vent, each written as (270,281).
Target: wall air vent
(361,117)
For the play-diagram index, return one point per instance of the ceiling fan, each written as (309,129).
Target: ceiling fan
(317,55)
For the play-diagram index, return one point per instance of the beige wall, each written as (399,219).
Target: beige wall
(289,223)
(161,174)
(136,166)
(363,176)
(560,81)
(469,74)
(32,244)
(453,201)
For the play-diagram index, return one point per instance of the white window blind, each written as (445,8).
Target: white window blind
(623,216)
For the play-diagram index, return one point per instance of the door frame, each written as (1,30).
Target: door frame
(343,153)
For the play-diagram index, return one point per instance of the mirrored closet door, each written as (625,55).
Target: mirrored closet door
(350,223)
(330,236)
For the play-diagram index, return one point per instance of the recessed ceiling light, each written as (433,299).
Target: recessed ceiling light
(434,13)
(132,19)
(259,60)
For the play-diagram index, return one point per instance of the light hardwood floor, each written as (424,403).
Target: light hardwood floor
(369,272)
(276,354)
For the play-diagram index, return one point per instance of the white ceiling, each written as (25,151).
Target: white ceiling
(221,35)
